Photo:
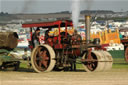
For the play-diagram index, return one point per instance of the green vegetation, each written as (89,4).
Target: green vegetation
(118,61)
(120,66)
(117,53)
(23,65)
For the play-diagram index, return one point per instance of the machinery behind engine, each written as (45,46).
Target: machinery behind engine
(8,41)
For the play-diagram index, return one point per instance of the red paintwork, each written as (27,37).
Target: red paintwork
(58,46)
(55,42)
(50,42)
(59,35)
(41,24)
(125,43)
(77,52)
(48,24)
(66,28)
(31,47)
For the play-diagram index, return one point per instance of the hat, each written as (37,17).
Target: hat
(37,29)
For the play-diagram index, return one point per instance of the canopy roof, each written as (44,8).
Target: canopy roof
(51,24)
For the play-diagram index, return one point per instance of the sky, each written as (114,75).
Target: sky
(51,6)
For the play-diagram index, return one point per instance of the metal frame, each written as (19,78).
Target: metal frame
(46,25)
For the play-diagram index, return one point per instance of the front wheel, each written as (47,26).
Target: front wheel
(97,61)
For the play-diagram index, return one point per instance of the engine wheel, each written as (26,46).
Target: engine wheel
(43,58)
(126,54)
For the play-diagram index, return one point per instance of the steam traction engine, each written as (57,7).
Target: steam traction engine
(64,51)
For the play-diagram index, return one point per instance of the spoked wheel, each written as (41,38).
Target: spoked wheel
(43,58)
(91,63)
(126,54)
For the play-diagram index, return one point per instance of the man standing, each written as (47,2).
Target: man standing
(47,34)
(35,38)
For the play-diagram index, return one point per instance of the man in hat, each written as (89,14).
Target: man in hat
(47,34)
(35,38)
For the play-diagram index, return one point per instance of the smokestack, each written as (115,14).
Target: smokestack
(87,27)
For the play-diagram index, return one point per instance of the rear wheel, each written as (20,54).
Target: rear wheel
(43,58)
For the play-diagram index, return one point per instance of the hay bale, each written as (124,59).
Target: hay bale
(8,40)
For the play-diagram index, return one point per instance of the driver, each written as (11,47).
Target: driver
(35,38)
(47,34)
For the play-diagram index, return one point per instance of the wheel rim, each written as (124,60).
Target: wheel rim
(126,54)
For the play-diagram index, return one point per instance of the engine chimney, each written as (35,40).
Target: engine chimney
(87,28)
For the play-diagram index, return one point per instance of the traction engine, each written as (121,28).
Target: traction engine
(64,51)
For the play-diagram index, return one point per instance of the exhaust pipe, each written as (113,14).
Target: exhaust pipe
(87,28)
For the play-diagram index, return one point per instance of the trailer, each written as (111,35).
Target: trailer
(8,42)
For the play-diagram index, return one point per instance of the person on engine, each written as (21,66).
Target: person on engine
(35,38)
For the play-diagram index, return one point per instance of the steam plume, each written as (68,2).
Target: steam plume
(88,4)
(76,8)
(75,12)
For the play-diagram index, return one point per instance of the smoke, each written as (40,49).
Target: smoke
(28,5)
(75,12)
(0,6)
(88,4)
(76,8)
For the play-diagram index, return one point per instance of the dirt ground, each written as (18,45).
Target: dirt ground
(111,77)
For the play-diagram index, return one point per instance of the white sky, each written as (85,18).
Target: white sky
(48,6)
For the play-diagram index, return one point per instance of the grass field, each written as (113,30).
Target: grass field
(118,75)
(118,61)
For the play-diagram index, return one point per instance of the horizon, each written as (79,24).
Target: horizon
(12,6)
(64,12)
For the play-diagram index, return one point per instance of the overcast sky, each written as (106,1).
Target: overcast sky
(50,6)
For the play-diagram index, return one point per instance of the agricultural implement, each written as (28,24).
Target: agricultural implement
(63,51)
(8,41)
(125,43)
